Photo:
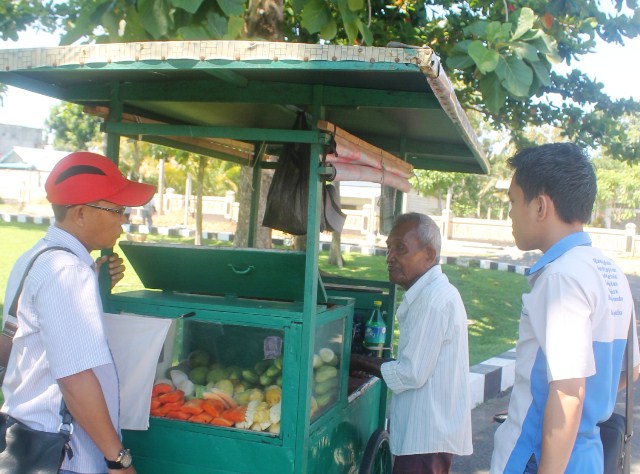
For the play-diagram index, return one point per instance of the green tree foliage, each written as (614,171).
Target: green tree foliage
(72,129)
(500,55)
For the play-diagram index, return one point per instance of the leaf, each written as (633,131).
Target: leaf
(355,5)
(346,13)
(525,51)
(548,46)
(315,16)
(515,75)
(461,47)
(329,30)
(234,28)
(531,35)
(298,5)
(497,31)
(193,33)
(190,6)
(459,61)
(84,24)
(352,31)
(110,22)
(542,72)
(524,19)
(217,25)
(492,92)
(367,36)
(477,29)
(156,19)
(231,7)
(486,59)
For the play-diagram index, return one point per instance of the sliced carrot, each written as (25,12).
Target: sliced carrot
(221,422)
(172,397)
(235,414)
(178,415)
(161,388)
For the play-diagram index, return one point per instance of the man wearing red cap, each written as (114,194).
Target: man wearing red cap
(60,349)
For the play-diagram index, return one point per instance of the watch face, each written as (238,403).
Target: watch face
(125,458)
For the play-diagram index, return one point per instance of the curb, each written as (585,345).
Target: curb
(487,379)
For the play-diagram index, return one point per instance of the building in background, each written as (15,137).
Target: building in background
(16,135)
(23,172)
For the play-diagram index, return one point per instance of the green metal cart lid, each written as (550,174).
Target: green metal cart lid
(224,271)
(396,98)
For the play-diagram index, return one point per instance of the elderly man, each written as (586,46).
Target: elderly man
(430,406)
(60,348)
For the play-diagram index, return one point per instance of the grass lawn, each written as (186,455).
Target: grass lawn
(492,298)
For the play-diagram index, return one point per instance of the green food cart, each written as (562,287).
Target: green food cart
(262,324)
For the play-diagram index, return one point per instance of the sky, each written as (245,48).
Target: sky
(609,64)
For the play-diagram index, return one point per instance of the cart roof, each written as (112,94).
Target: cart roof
(396,98)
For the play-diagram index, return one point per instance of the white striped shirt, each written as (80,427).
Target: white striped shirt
(60,333)
(430,404)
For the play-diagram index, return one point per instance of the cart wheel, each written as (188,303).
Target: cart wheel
(377,455)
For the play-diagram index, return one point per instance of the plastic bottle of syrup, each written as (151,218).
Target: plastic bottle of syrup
(375,332)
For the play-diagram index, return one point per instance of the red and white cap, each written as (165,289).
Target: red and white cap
(83,177)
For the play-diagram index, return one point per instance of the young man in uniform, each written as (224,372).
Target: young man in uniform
(574,321)
(60,348)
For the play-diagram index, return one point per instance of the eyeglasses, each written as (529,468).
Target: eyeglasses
(119,211)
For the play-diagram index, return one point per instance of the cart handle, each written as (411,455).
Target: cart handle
(241,272)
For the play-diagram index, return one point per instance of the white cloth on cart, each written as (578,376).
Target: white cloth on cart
(136,342)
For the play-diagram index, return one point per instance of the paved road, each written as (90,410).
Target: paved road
(482,416)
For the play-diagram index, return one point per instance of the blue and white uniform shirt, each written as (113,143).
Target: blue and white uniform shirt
(574,324)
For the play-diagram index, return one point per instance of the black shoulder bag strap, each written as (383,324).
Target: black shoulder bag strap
(66,426)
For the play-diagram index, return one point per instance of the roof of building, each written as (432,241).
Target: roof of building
(38,159)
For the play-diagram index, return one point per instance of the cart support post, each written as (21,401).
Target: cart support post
(256,179)
(112,151)
(310,293)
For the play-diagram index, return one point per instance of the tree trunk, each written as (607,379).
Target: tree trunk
(335,255)
(201,167)
(264,21)
(245,191)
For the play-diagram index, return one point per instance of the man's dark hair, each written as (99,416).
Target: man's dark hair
(59,212)
(563,172)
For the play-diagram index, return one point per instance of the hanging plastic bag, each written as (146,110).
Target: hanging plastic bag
(288,198)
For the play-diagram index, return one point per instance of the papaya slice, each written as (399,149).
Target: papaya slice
(221,422)
(172,397)
(161,388)
(192,407)
(235,414)
(212,407)
(178,415)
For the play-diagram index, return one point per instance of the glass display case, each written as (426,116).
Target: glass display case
(327,374)
(225,375)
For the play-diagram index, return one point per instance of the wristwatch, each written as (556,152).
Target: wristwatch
(123,461)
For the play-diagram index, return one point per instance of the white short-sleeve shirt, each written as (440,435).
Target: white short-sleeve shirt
(60,333)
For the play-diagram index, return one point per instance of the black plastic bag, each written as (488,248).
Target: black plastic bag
(288,199)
